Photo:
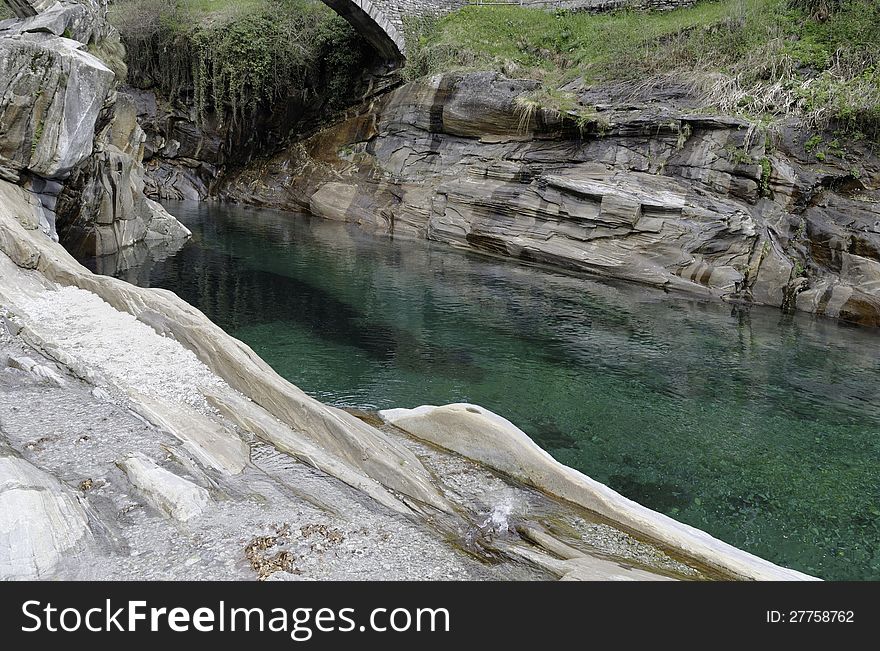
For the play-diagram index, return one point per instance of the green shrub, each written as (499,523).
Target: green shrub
(233,57)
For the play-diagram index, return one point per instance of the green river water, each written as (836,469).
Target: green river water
(761,428)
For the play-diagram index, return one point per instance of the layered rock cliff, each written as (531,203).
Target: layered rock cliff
(643,185)
(69,137)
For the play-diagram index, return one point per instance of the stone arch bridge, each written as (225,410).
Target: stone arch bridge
(380,22)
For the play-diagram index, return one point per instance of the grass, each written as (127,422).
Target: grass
(536,43)
(211,6)
(764,59)
(205,12)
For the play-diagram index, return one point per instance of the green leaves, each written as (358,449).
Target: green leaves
(232,58)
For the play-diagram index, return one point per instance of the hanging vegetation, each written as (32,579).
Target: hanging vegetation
(232,58)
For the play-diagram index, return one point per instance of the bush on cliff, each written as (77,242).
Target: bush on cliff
(766,59)
(238,57)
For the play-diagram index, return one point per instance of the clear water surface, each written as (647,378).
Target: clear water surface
(761,428)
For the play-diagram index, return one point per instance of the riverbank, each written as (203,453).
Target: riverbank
(185,449)
(743,423)
(726,150)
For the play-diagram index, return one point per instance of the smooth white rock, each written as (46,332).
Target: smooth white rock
(174,496)
(39,521)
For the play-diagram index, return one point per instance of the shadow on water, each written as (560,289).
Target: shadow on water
(232,294)
(235,293)
(761,428)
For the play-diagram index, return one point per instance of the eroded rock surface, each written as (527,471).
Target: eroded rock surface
(479,434)
(68,136)
(40,521)
(642,185)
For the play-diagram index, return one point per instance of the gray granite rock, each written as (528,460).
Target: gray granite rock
(69,138)
(639,185)
(40,521)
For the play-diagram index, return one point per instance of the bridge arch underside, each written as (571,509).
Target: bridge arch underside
(376,28)
(28,8)
(366,17)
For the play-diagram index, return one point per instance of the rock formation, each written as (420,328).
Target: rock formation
(69,137)
(639,185)
(646,189)
(175,496)
(39,519)
(486,437)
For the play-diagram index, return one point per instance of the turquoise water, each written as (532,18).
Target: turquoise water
(761,428)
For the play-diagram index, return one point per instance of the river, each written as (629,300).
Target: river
(760,428)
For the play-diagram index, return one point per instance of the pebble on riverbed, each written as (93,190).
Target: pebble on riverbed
(609,540)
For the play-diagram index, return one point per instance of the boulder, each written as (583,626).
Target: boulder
(80,20)
(26,8)
(68,136)
(104,206)
(40,371)
(166,492)
(54,92)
